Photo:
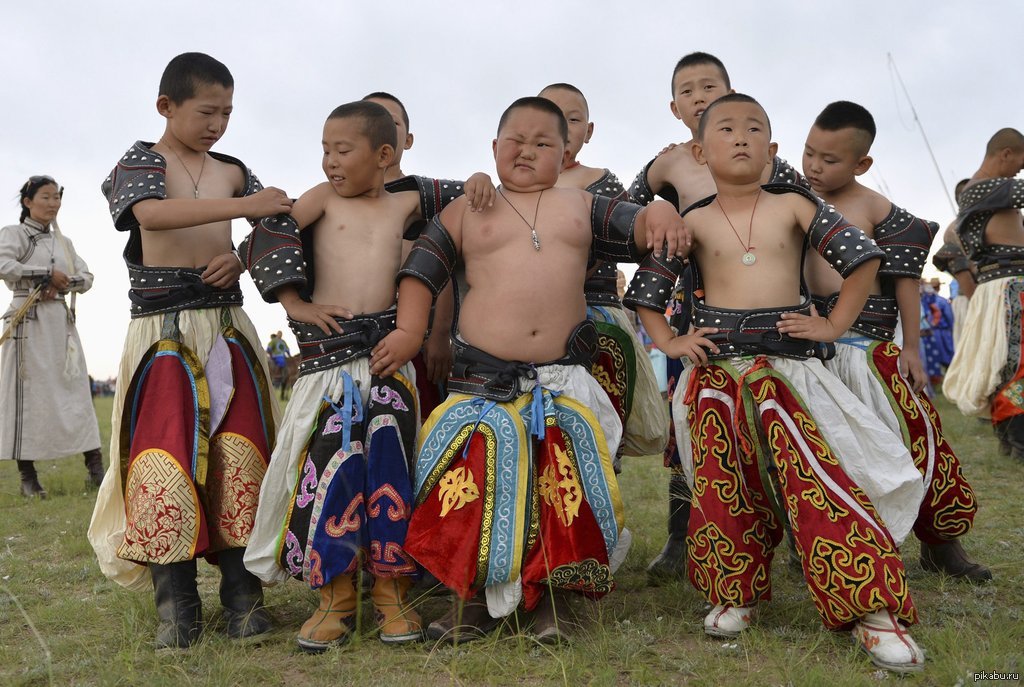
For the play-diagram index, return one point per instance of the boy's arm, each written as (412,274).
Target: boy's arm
(850,252)
(426,272)
(652,181)
(659,224)
(437,350)
(625,232)
(908,300)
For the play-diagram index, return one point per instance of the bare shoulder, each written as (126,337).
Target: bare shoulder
(312,204)
(228,171)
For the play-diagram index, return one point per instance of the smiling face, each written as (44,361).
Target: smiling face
(352,166)
(574,107)
(693,89)
(736,142)
(833,158)
(529,151)
(44,205)
(197,123)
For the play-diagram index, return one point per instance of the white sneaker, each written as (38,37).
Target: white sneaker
(728,621)
(888,643)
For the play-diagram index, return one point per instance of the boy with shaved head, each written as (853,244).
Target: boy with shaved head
(986,377)
(883,376)
(768,434)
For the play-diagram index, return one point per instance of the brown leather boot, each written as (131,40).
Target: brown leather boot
(30,485)
(950,558)
(398,621)
(464,622)
(333,622)
(94,466)
(554,620)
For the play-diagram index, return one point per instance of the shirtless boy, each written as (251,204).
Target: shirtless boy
(515,492)
(770,433)
(189,446)
(342,499)
(883,376)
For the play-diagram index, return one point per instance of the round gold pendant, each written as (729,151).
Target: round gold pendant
(749,258)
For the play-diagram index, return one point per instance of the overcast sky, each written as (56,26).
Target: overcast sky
(79,83)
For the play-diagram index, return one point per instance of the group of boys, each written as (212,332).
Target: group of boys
(508,493)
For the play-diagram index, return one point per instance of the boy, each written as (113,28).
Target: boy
(885,378)
(500,517)
(698,79)
(194,420)
(338,493)
(433,363)
(623,367)
(985,376)
(950,259)
(756,395)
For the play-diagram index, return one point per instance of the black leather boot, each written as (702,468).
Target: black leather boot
(94,465)
(30,485)
(1011,432)
(671,562)
(177,605)
(950,558)
(241,594)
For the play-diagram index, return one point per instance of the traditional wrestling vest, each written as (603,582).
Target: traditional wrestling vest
(978,203)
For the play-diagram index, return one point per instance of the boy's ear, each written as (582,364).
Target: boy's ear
(675,110)
(386,155)
(773,150)
(408,142)
(863,165)
(697,150)
(164,106)
(566,154)
(494,148)
(590,132)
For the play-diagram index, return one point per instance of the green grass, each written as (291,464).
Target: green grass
(62,622)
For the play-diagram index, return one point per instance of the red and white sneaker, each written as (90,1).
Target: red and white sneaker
(888,643)
(728,621)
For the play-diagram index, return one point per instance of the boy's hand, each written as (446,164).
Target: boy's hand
(813,327)
(437,353)
(322,316)
(267,203)
(667,148)
(479,192)
(664,225)
(912,368)
(395,350)
(692,346)
(223,271)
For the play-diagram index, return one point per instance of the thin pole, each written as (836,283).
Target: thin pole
(917,120)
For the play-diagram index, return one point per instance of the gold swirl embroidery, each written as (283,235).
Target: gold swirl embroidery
(561,489)
(456,489)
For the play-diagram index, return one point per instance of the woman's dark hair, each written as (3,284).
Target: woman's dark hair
(31,187)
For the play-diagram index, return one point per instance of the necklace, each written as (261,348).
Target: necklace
(748,258)
(195,181)
(533,227)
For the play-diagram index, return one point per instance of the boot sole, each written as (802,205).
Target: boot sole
(893,667)
(459,634)
(722,634)
(407,638)
(312,646)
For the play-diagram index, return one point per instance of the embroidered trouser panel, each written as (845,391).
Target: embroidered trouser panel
(759,457)
(1008,401)
(353,494)
(515,491)
(188,493)
(949,506)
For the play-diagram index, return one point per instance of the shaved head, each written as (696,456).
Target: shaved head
(1003,139)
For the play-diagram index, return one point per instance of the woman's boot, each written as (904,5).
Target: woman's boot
(29,480)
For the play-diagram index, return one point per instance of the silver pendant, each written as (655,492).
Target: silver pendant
(536,241)
(749,258)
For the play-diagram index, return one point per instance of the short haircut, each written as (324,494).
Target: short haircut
(537,103)
(184,74)
(843,114)
(383,95)
(1005,138)
(724,100)
(566,87)
(378,126)
(696,58)
(31,187)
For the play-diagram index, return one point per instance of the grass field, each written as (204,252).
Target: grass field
(63,623)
